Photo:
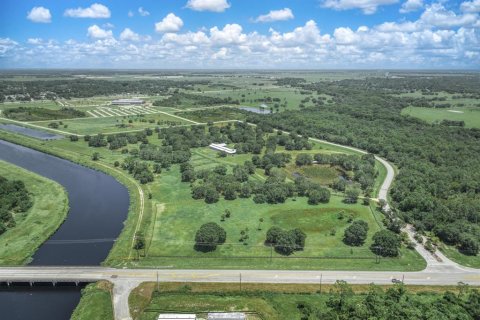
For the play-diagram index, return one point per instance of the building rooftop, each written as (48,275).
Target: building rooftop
(222,147)
(226,316)
(176,316)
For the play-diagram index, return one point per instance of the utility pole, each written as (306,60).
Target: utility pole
(158,284)
(240,282)
(321,276)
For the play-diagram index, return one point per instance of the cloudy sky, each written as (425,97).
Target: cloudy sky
(240,34)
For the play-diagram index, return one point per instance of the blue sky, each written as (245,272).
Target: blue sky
(240,34)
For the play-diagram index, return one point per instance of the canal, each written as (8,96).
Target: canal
(98,207)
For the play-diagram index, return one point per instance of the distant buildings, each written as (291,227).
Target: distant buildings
(227,316)
(176,316)
(211,316)
(123,102)
(222,147)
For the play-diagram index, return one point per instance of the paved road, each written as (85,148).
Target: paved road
(125,280)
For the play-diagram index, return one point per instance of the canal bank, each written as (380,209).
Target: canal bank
(98,208)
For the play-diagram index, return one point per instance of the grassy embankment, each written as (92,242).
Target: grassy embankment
(261,301)
(49,210)
(96,302)
(80,153)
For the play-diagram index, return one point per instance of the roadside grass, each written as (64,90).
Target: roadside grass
(49,210)
(96,302)
(261,301)
(91,126)
(453,253)
(471,115)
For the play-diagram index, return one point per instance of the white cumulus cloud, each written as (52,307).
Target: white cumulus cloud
(96,10)
(40,15)
(230,34)
(129,35)
(171,23)
(367,6)
(208,5)
(276,15)
(470,6)
(96,32)
(143,12)
(436,15)
(411,5)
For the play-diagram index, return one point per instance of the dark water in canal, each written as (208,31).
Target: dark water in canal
(98,207)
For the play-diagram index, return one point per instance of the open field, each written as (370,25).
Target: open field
(92,125)
(177,217)
(259,301)
(50,207)
(96,302)
(471,115)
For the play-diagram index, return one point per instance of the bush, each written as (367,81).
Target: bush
(285,242)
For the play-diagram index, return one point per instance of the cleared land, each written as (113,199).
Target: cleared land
(90,126)
(471,115)
(50,207)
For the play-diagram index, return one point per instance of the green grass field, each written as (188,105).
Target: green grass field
(50,207)
(177,216)
(113,124)
(464,260)
(96,303)
(471,115)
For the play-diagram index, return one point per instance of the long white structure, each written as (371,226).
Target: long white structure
(127,101)
(222,147)
(176,316)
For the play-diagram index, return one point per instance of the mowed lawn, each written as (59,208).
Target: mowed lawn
(91,126)
(49,209)
(471,115)
(177,217)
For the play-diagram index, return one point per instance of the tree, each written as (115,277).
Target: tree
(303,159)
(208,236)
(351,195)
(469,245)
(386,243)
(356,233)
(316,196)
(95,156)
(211,195)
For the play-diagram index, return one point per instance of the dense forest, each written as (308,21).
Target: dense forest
(14,198)
(85,88)
(438,185)
(392,304)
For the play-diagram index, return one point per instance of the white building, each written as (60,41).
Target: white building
(222,147)
(127,101)
(227,316)
(176,316)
